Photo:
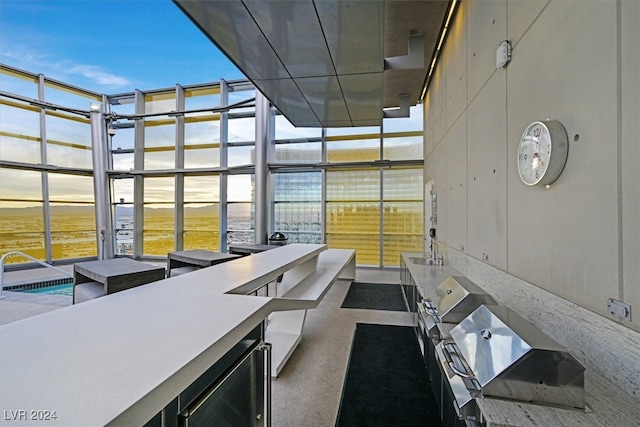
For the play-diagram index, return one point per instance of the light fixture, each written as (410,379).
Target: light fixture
(503,54)
(443,34)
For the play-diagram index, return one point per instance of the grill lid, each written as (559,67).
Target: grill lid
(512,359)
(453,300)
(458,296)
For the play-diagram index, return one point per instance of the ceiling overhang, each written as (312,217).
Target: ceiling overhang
(326,62)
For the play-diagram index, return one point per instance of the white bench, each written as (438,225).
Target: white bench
(303,288)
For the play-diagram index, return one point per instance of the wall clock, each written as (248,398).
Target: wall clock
(542,153)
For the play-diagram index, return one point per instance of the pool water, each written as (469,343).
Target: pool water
(65,289)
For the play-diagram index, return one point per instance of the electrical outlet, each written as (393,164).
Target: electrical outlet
(619,308)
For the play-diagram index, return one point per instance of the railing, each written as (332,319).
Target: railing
(42,263)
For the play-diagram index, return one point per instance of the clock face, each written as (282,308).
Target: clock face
(534,153)
(542,153)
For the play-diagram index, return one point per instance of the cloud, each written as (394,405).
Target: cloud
(98,75)
(93,77)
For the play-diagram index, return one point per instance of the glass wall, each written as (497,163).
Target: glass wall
(46,185)
(182,175)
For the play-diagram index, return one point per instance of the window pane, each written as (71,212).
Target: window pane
(242,129)
(240,188)
(20,185)
(285,130)
(202,141)
(297,206)
(123,162)
(68,141)
(358,149)
(158,230)
(201,212)
(353,213)
(240,93)
(403,137)
(159,144)
(73,231)
(123,139)
(403,147)
(201,226)
(19,83)
(403,184)
(406,124)
(240,210)
(205,97)
(21,229)
(403,213)
(244,155)
(73,222)
(70,188)
(123,199)
(21,214)
(354,184)
(240,223)
(19,133)
(70,97)
(307,152)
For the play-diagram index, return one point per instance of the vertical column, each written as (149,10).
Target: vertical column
(178,225)
(323,191)
(138,183)
(46,208)
(101,183)
(224,150)
(111,236)
(381,205)
(261,167)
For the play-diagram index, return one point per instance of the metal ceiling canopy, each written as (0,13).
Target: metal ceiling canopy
(329,63)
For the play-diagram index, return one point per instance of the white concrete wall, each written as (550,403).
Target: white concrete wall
(576,61)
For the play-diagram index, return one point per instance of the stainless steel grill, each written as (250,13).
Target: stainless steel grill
(448,304)
(494,352)
(453,300)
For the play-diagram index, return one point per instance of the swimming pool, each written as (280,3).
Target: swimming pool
(64,289)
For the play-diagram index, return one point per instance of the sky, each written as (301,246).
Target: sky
(109,46)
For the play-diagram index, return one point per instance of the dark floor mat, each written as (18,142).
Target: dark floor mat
(374,296)
(386,382)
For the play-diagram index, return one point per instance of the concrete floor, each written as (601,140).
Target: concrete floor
(308,390)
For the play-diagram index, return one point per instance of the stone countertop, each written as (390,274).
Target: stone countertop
(427,277)
(607,405)
(119,360)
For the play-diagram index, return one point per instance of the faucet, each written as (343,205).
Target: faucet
(434,253)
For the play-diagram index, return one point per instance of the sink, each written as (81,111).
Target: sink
(423,261)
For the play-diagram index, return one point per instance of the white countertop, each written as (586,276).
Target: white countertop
(118,360)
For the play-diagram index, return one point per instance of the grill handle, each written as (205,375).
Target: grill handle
(451,363)
(427,306)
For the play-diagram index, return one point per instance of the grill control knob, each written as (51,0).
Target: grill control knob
(485,333)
